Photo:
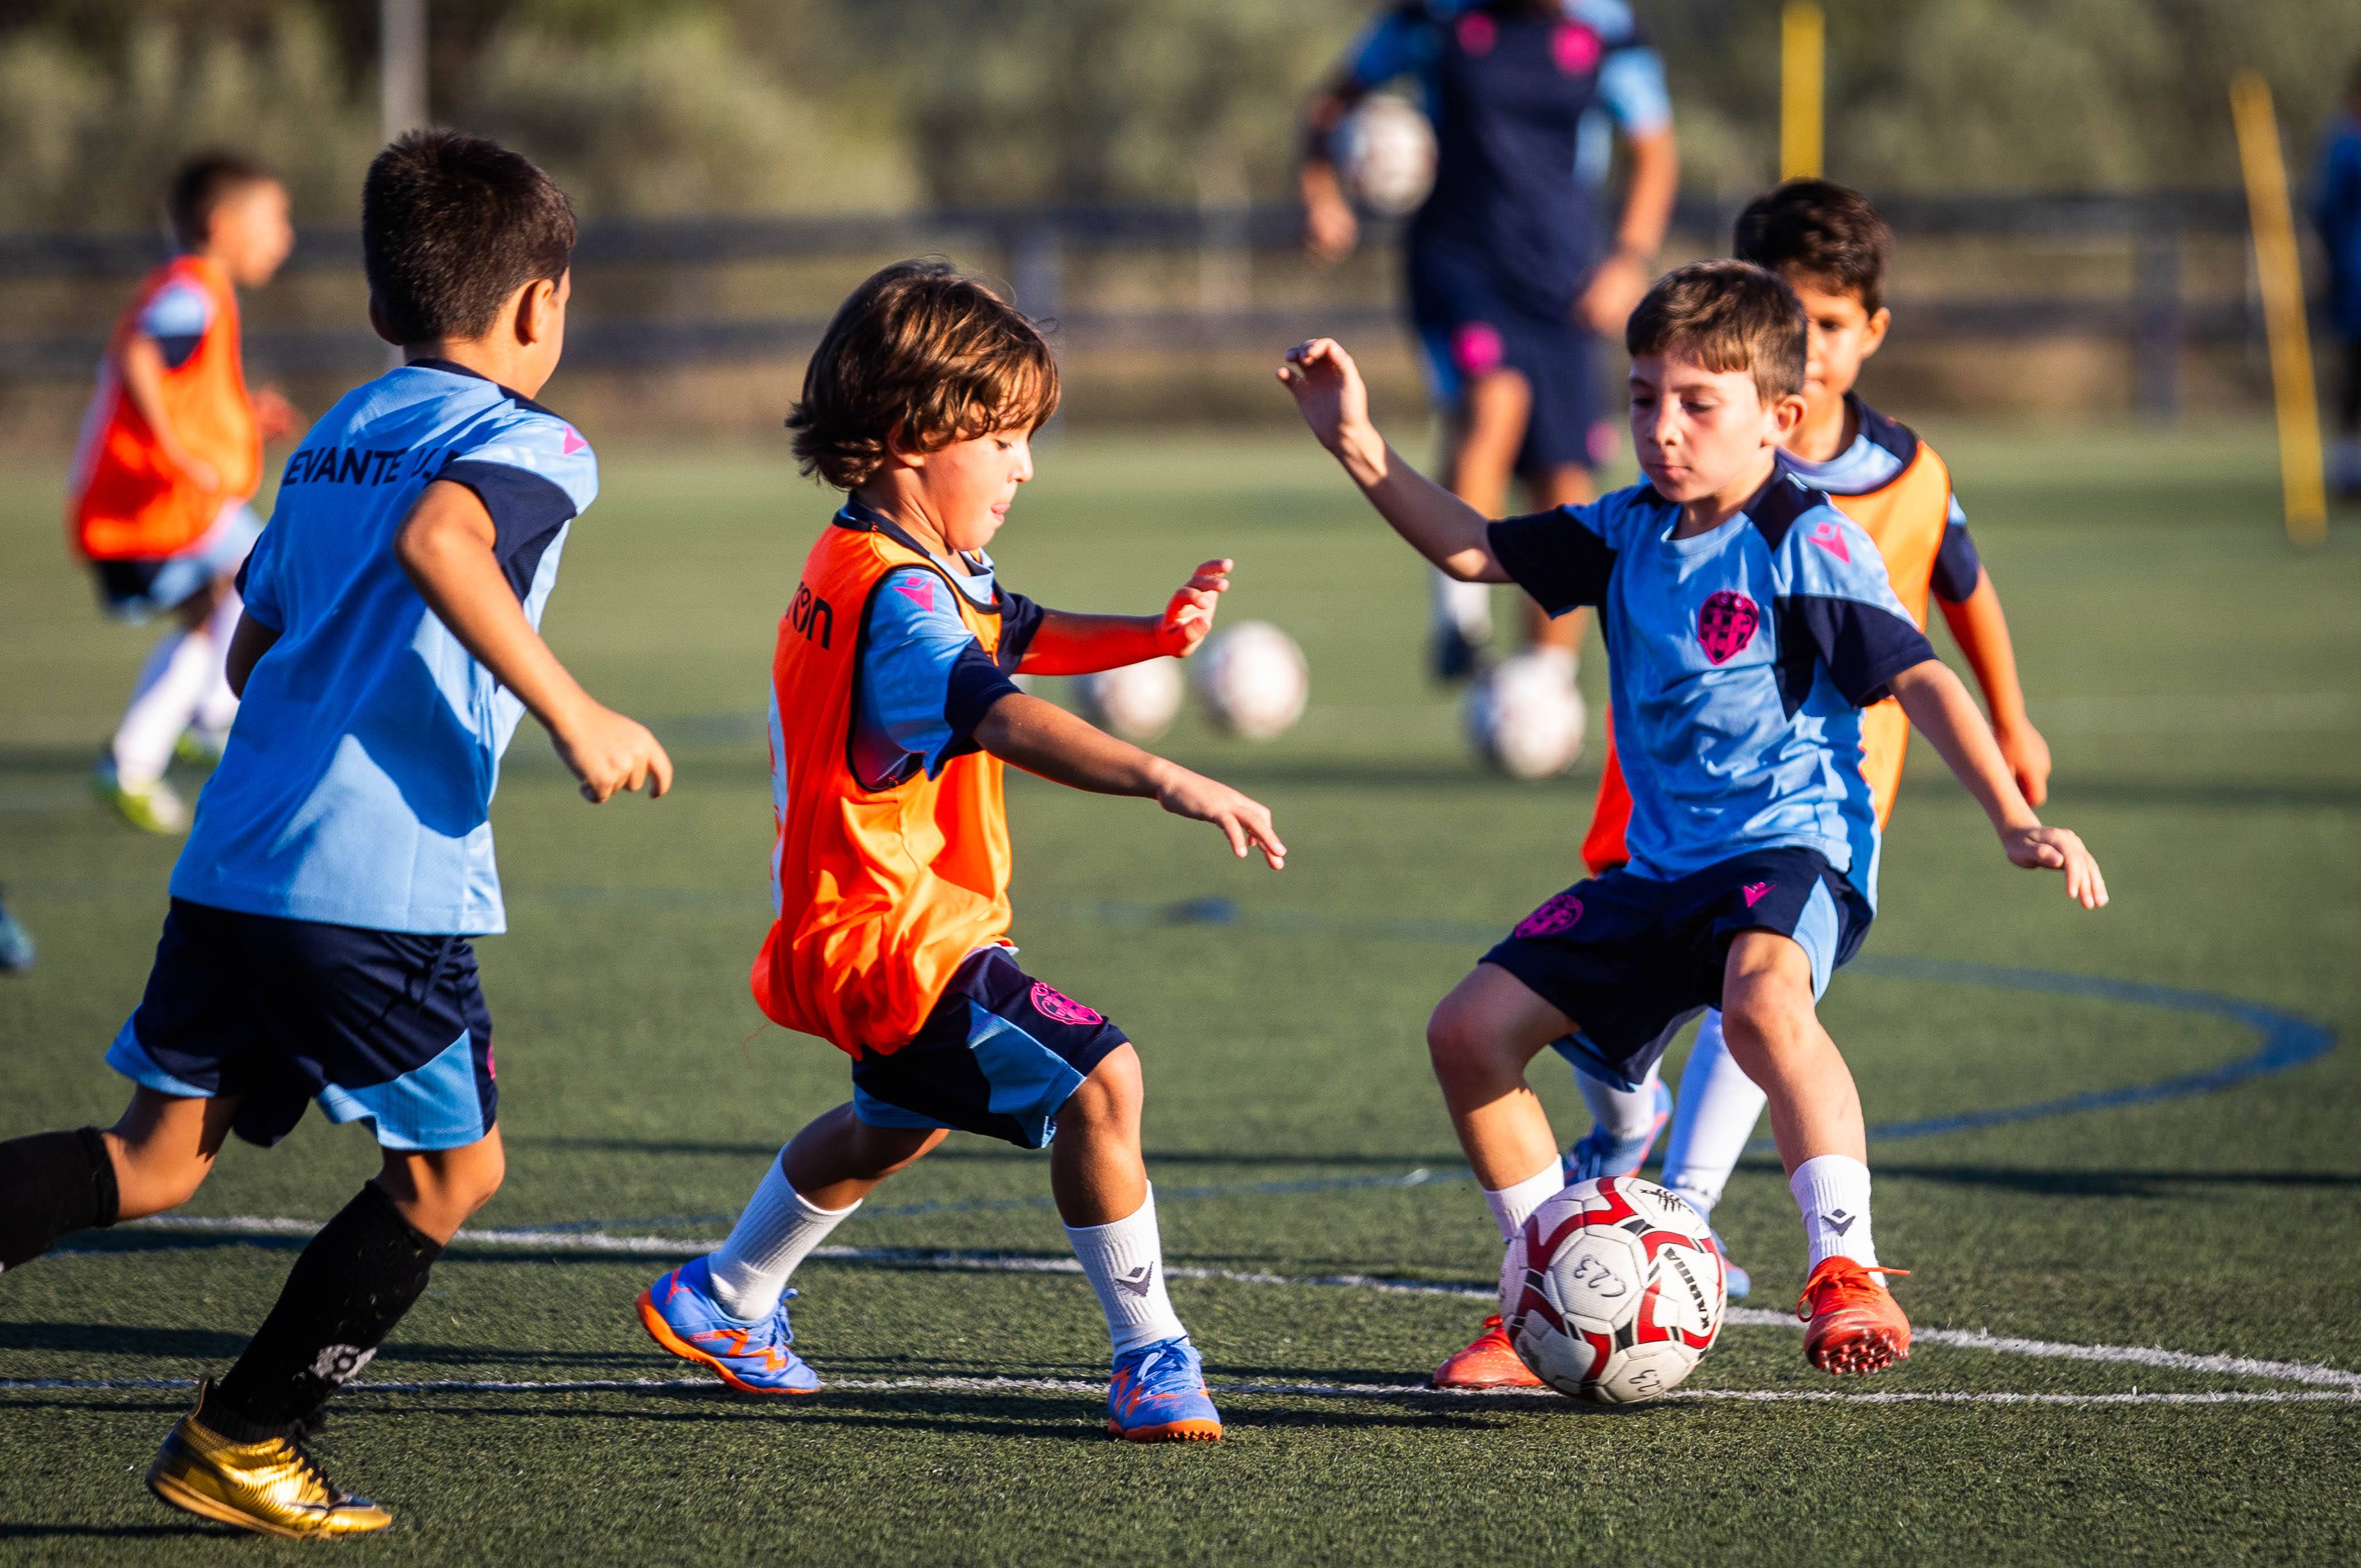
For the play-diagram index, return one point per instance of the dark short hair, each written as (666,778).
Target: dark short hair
(202,184)
(1725,315)
(925,356)
(452,225)
(1823,233)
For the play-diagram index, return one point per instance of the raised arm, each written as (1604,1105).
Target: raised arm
(1335,404)
(1943,711)
(1067,643)
(446,548)
(1044,739)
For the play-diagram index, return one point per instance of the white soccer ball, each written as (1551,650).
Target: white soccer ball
(1612,1290)
(1253,680)
(1138,702)
(1384,154)
(1526,718)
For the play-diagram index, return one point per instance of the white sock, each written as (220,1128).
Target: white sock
(1124,1263)
(1512,1205)
(172,684)
(1718,1108)
(1832,1190)
(1620,1113)
(778,1231)
(217,710)
(1467,605)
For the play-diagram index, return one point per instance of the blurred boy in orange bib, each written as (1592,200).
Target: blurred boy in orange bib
(1831,246)
(893,710)
(170,453)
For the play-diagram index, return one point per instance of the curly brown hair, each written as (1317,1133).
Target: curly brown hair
(1725,315)
(921,356)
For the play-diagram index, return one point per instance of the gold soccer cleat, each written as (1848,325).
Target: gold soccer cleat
(272,1487)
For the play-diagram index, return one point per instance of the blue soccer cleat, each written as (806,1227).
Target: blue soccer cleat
(1596,1154)
(1158,1396)
(680,1314)
(1737,1285)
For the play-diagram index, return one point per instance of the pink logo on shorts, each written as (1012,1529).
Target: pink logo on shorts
(1726,624)
(1053,1003)
(1559,913)
(1476,348)
(1754,891)
(1477,33)
(1575,47)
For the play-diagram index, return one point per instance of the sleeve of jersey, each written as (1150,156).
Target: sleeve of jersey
(1839,599)
(926,682)
(1958,568)
(177,318)
(1395,44)
(1557,557)
(1020,617)
(1631,85)
(534,474)
(258,583)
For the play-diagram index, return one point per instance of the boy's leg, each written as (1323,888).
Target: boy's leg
(814,1186)
(152,1159)
(1624,1124)
(351,1284)
(1714,1120)
(1855,1326)
(179,676)
(1099,1181)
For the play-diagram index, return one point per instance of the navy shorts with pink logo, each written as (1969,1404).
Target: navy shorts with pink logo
(1630,959)
(999,1055)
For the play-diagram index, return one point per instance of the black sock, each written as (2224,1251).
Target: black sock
(343,1295)
(51,1185)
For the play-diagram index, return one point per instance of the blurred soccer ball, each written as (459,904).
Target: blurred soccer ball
(1252,679)
(1612,1290)
(1138,702)
(1384,153)
(1526,718)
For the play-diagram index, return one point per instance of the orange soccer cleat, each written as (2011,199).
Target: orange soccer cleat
(1490,1361)
(1854,1326)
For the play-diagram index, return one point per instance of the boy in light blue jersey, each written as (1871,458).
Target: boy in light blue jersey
(318,942)
(1748,622)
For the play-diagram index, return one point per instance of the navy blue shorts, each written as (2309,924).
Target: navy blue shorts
(1000,1055)
(380,1026)
(1630,959)
(1468,326)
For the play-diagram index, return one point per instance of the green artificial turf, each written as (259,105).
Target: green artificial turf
(2196,676)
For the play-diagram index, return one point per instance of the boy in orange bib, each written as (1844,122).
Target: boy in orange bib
(892,712)
(169,455)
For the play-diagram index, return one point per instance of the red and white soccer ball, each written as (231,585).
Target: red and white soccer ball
(1612,1290)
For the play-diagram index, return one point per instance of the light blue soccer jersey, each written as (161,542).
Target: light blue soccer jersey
(1740,663)
(925,682)
(356,787)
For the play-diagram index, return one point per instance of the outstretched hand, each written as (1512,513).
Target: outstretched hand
(1328,388)
(1245,823)
(2055,850)
(1189,614)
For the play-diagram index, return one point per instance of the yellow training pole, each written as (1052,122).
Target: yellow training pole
(2281,278)
(1802,89)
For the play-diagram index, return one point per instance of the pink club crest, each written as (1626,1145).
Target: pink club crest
(1476,348)
(1053,1003)
(1477,33)
(1575,47)
(1726,624)
(1560,913)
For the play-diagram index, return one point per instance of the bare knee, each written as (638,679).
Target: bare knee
(882,1151)
(1462,1045)
(438,1190)
(1109,1100)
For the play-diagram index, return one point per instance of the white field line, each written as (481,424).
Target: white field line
(1004,1263)
(1274,1390)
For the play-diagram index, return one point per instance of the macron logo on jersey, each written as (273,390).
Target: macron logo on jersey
(1828,537)
(574,442)
(917,590)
